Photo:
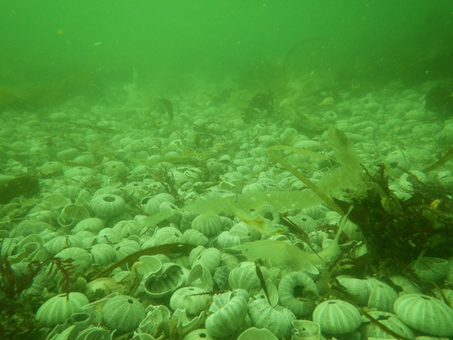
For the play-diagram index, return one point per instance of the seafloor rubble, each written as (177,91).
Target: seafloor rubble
(227,214)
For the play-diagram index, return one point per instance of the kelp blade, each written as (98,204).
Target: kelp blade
(307,182)
(279,200)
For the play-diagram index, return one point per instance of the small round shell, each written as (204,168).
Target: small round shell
(425,314)
(125,248)
(288,136)
(123,313)
(101,287)
(244,276)
(151,205)
(193,236)
(51,168)
(108,205)
(164,282)
(201,277)
(136,190)
(67,154)
(77,172)
(127,228)
(92,224)
(221,300)
(57,309)
(156,319)
(229,260)
(193,299)
(109,236)
(311,270)
(407,285)
(220,277)
(296,291)
(227,240)
(87,238)
(253,188)
(55,202)
(357,288)
(61,242)
(149,265)
(209,257)
(198,334)
(103,254)
(305,222)
(94,333)
(81,259)
(337,317)
(382,297)
(267,140)
(95,308)
(278,320)
(165,235)
(114,169)
(306,330)
(69,191)
(66,334)
(228,319)
(208,224)
(254,333)
(73,213)
(186,324)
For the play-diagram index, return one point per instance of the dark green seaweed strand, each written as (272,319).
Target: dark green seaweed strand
(444,159)
(262,281)
(383,327)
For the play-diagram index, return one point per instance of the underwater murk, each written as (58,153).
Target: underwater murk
(226,170)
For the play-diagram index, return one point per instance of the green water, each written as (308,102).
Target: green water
(202,101)
(178,40)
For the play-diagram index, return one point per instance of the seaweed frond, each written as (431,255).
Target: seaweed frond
(382,326)
(12,284)
(444,159)
(17,315)
(307,182)
(167,179)
(65,268)
(168,106)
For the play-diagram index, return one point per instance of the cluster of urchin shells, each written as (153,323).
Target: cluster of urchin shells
(104,172)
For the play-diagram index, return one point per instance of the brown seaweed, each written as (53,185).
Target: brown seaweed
(17,315)
(11,286)
(168,106)
(444,159)
(396,231)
